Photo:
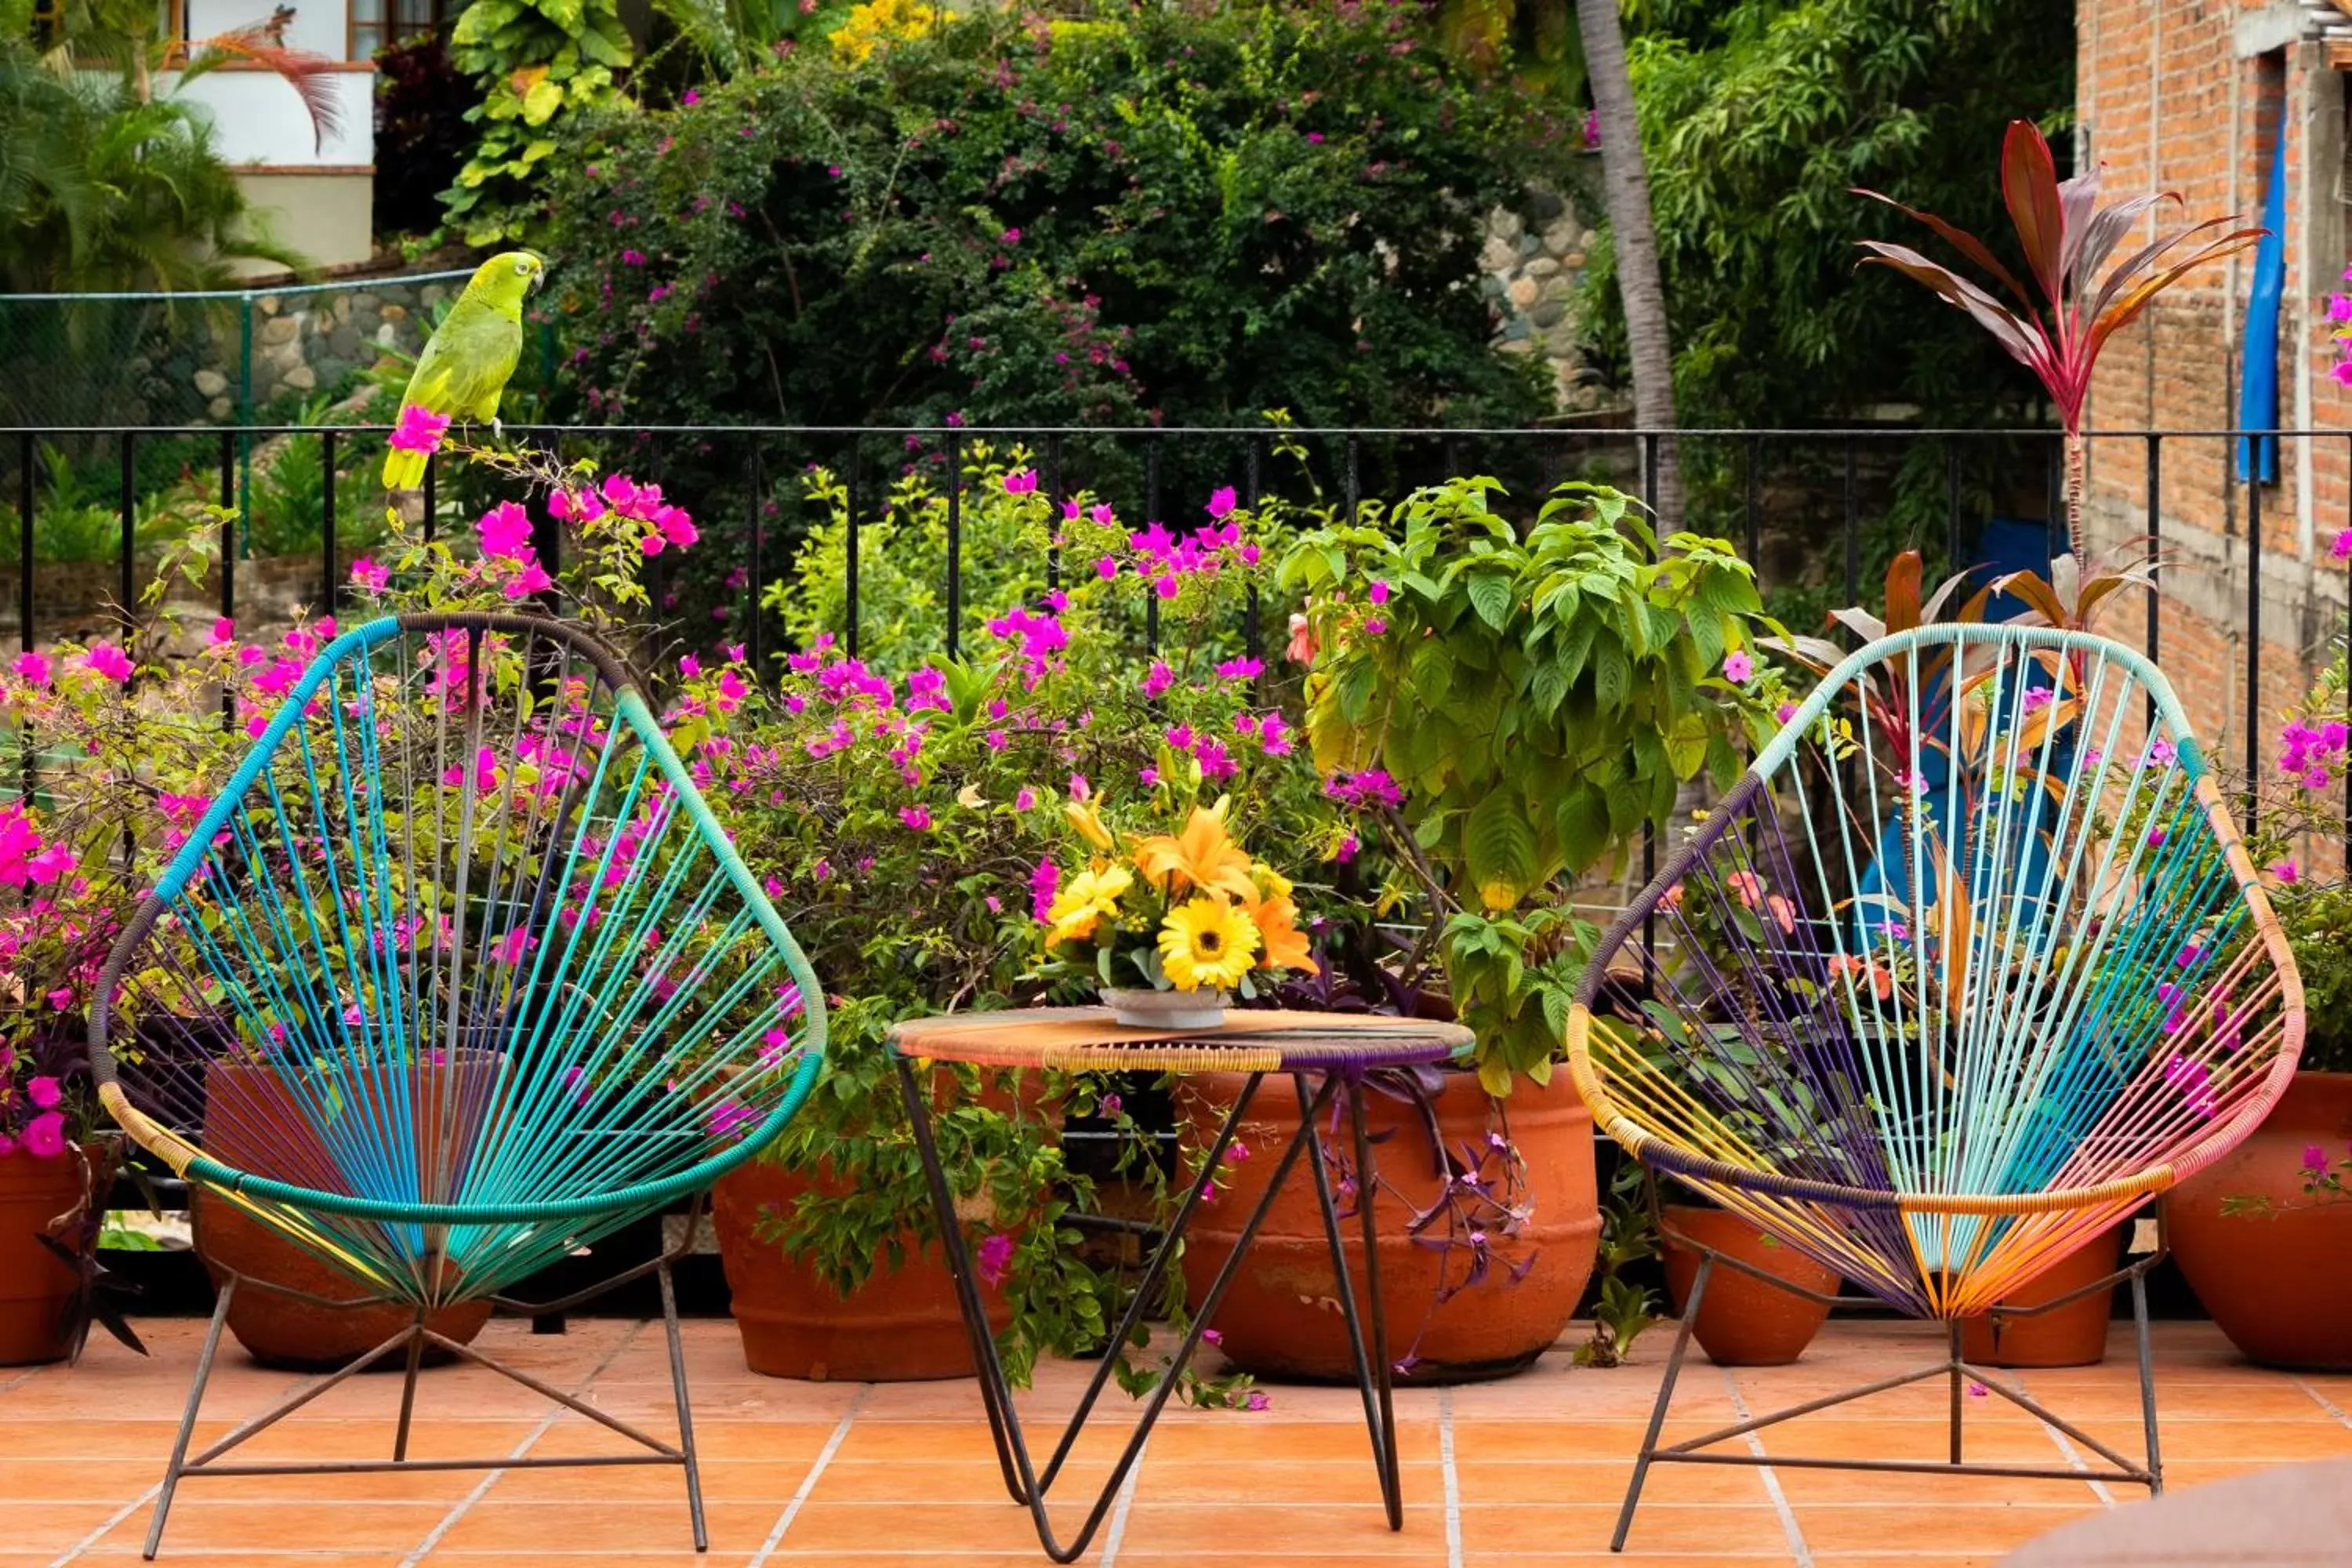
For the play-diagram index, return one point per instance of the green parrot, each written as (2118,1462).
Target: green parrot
(464,367)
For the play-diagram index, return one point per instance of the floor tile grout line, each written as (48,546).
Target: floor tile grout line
(22,1378)
(1453,1478)
(2098,1487)
(153,1489)
(808,1482)
(463,1505)
(1116,1533)
(2323,1401)
(1789,1525)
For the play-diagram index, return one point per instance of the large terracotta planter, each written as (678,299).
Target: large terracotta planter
(35,1285)
(1281,1317)
(253,1123)
(2278,1283)
(903,1325)
(1742,1320)
(2073,1335)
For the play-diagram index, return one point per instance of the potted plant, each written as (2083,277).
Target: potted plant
(1500,708)
(914,811)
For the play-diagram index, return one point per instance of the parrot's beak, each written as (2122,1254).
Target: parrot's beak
(539,280)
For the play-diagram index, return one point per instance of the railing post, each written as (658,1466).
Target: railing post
(1053,511)
(2155,539)
(1754,504)
(333,596)
(228,527)
(27,451)
(1649,449)
(1151,516)
(851,547)
(2253,640)
(955,544)
(1853,527)
(130,504)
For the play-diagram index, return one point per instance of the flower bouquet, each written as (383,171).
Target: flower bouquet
(1169,924)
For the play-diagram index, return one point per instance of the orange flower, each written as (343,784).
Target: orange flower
(1200,856)
(1783,913)
(1881,978)
(1748,885)
(1284,945)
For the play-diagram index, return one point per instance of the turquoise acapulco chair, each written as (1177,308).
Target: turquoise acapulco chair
(457,976)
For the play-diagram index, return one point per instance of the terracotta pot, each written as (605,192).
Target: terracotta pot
(35,1286)
(1743,1322)
(1281,1317)
(903,1325)
(2073,1335)
(2278,1283)
(254,1124)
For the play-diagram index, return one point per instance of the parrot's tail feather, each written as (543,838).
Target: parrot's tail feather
(403,470)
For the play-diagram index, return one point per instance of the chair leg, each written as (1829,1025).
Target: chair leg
(1954,1329)
(408,1386)
(1666,1394)
(2146,1384)
(188,1420)
(685,1411)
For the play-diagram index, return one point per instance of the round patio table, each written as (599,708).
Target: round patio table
(2287,1517)
(1335,1048)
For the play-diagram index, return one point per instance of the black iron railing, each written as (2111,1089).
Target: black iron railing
(1828,503)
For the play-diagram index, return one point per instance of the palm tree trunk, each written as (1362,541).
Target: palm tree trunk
(1626,187)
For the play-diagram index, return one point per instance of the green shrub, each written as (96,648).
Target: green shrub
(1184,217)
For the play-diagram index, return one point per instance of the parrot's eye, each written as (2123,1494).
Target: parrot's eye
(522,267)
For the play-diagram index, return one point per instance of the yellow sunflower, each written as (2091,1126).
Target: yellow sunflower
(1085,899)
(1207,943)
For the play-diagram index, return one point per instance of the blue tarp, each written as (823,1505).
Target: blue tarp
(2258,391)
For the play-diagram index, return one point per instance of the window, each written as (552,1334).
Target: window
(379,23)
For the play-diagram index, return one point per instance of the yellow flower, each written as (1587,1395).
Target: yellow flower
(1275,884)
(1084,899)
(868,27)
(1088,822)
(1201,857)
(1207,943)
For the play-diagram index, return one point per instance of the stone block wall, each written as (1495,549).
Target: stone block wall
(1533,263)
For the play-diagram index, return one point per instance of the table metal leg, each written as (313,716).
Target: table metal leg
(1376,1402)
(1026,1483)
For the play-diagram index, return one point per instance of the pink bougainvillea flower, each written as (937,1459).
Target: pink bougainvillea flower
(1221,502)
(2315,1158)
(531,579)
(2341,547)
(1044,883)
(1377,592)
(732,1119)
(1240,669)
(1158,678)
(917,817)
(2286,871)
(512,947)
(419,429)
(505,532)
(1106,567)
(368,574)
(994,1258)
(1376,627)
(34,668)
(108,661)
(688,666)
(224,630)
(44,1092)
(1021,482)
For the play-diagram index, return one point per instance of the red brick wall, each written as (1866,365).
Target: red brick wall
(2180,96)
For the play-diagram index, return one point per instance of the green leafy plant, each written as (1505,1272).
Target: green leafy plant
(1187,214)
(538,62)
(1624,1309)
(1528,702)
(2067,237)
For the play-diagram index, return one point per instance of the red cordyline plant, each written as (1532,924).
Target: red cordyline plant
(2067,237)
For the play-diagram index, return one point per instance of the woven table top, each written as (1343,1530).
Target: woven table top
(1088,1039)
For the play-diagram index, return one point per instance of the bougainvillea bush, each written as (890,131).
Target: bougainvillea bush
(1186,215)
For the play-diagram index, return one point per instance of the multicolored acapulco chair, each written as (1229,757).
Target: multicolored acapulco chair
(457,976)
(1967,968)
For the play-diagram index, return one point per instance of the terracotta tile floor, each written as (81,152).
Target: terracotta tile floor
(1525,1471)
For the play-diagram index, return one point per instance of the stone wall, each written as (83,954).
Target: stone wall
(1534,263)
(306,341)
